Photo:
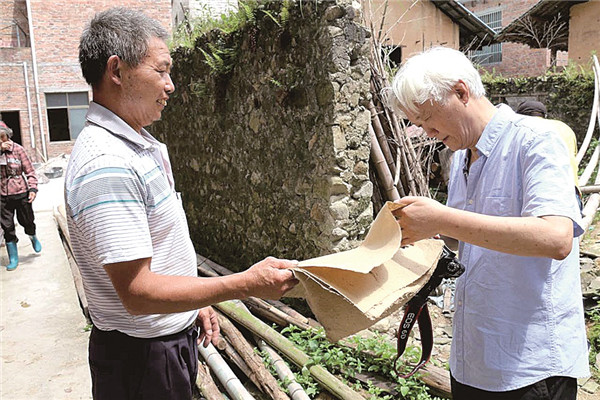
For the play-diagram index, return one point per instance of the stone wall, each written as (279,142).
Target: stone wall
(270,145)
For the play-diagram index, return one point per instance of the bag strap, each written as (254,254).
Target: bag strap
(416,310)
(413,313)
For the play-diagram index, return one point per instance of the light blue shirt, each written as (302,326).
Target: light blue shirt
(518,320)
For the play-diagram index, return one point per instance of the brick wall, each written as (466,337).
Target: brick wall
(57,26)
(517,59)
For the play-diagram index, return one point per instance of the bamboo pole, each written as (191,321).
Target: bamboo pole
(61,219)
(283,371)
(591,206)
(235,357)
(595,112)
(591,167)
(282,344)
(226,376)
(590,189)
(381,137)
(436,378)
(266,382)
(293,313)
(206,384)
(384,173)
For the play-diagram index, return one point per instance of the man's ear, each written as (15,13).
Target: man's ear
(462,91)
(113,69)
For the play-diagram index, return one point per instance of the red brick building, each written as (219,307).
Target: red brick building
(508,58)
(40,77)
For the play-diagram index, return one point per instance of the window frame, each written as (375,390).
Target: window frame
(66,107)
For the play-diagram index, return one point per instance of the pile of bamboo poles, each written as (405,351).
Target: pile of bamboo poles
(401,165)
(239,351)
(273,344)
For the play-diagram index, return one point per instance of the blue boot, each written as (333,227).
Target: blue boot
(13,256)
(37,246)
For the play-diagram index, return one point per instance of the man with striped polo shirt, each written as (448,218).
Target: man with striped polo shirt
(128,228)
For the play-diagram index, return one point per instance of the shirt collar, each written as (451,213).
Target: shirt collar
(494,129)
(102,116)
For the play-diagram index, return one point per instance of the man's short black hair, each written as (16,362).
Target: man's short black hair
(117,31)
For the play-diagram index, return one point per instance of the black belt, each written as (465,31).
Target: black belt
(416,310)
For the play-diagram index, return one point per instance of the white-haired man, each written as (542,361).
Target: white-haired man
(518,327)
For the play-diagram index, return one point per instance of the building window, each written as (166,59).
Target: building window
(493,53)
(66,114)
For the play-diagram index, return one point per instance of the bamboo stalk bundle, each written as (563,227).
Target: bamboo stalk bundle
(381,137)
(436,378)
(383,173)
(258,372)
(282,344)
(225,375)
(409,170)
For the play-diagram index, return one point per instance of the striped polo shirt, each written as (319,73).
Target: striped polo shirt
(121,206)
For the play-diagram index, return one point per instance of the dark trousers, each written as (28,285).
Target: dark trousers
(16,204)
(128,368)
(553,388)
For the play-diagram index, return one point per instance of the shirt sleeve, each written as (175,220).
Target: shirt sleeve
(107,203)
(29,171)
(548,185)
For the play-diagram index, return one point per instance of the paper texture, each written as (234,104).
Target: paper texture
(351,290)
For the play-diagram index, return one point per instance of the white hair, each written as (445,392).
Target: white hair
(431,76)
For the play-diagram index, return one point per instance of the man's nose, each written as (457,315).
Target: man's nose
(430,131)
(170,86)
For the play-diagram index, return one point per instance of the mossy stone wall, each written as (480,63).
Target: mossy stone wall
(568,97)
(270,148)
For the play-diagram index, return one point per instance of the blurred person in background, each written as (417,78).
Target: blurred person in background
(18,188)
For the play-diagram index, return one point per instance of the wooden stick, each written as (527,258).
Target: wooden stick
(590,189)
(282,344)
(266,382)
(226,376)
(206,384)
(283,371)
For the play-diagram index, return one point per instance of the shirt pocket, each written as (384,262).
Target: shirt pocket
(499,206)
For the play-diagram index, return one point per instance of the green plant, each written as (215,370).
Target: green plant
(369,355)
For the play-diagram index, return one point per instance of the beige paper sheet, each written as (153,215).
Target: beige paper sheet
(351,290)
